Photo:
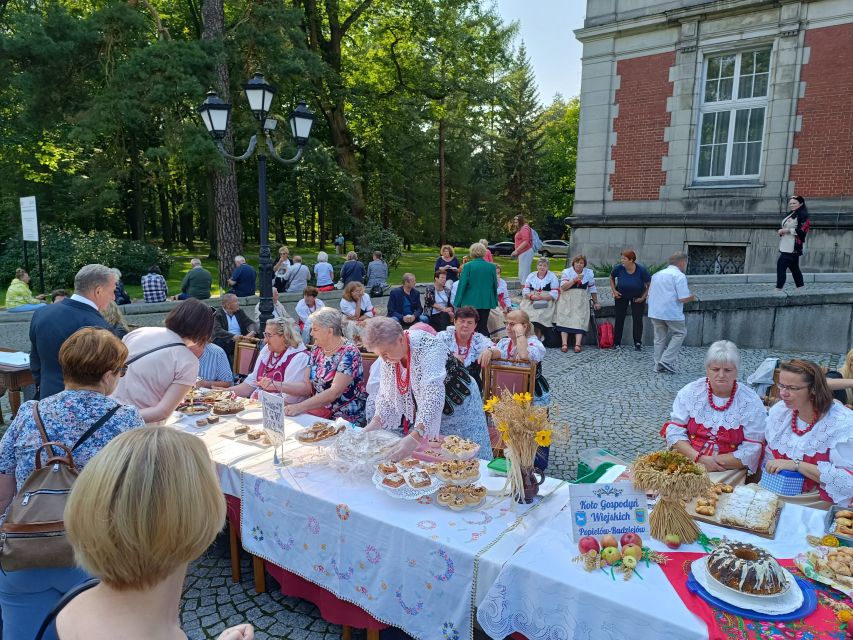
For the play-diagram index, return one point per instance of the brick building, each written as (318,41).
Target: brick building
(699,119)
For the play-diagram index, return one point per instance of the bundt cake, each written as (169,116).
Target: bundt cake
(746,568)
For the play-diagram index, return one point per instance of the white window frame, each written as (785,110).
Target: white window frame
(732,106)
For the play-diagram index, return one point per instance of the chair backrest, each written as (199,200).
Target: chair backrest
(367,359)
(516,376)
(245,350)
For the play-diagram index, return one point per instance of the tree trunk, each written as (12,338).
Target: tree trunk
(321,221)
(442,185)
(226,208)
(137,228)
(300,237)
(312,200)
(165,218)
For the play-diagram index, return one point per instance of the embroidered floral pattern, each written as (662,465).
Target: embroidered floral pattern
(257,533)
(410,610)
(313,525)
(450,566)
(373,555)
(449,632)
(343,575)
(425,500)
(284,546)
(426,525)
(343,511)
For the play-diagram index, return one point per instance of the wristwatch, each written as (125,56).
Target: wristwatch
(797,465)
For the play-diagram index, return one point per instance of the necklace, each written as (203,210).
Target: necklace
(274,361)
(801,432)
(463,351)
(401,374)
(711,396)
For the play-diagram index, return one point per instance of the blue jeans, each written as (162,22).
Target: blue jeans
(26,597)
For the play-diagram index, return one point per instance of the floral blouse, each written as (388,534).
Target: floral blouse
(66,416)
(346,360)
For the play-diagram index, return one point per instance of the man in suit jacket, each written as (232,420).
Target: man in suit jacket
(94,289)
(404,303)
(229,323)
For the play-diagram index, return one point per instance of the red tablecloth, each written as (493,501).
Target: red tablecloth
(821,624)
(332,609)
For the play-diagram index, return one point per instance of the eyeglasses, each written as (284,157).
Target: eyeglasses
(120,371)
(267,334)
(790,387)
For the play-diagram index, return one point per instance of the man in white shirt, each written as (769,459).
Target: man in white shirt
(667,294)
(297,276)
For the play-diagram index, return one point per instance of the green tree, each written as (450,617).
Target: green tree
(558,163)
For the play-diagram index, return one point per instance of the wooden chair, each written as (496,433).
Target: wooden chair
(368,358)
(246,352)
(516,376)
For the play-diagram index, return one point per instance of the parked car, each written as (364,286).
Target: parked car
(554,248)
(502,248)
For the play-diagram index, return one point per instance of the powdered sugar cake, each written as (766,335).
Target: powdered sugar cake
(751,508)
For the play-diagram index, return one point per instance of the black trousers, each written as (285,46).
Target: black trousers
(637,311)
(788,261)
(483,321)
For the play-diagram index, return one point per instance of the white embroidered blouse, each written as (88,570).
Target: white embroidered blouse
(833,434)
(746,411)
(587,278)
(535,349)
(479,343)
(536,284)
(427,360)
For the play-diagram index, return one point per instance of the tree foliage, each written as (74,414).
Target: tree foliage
(428,121)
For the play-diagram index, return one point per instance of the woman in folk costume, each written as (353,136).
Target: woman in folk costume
(577,284)
(717,422)
(539,296)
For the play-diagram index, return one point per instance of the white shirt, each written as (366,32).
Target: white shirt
(587,277)
(303,310)
(325,274)
(367,310)
(293,373)
(535,284)
(297,277)
(786,241)
(504,300)
(668,286)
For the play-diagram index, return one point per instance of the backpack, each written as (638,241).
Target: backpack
(376,290)
(605,336)
(33,534)
(537,241)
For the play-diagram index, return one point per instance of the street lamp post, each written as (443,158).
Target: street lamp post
(215,114)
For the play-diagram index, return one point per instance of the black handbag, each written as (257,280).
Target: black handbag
(456,382)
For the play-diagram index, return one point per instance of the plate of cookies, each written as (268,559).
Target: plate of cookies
(447,448)
(459,471)
(832,566)
(459,497)
(405,481)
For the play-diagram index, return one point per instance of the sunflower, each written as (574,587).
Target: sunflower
(490,404)
(522,398)
(543,438)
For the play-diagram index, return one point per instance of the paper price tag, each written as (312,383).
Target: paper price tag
(599,509)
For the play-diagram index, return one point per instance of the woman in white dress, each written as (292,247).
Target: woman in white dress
(521,344)
(810,433)
(577,284)
(539,296)
(357,308)
(717,422)
(423,387)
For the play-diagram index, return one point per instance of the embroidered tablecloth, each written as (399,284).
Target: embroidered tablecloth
(541,593)
(410,564)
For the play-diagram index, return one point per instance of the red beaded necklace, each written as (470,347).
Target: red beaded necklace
(796,429)
(402,373)
(463,351)
(711,396)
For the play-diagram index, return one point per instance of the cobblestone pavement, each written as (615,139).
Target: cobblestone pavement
(611,399)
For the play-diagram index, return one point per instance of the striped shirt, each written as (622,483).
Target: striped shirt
(213,365)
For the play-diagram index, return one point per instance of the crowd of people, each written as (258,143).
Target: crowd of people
(98,383)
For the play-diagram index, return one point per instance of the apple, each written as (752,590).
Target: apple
(672,541)
(632,550)
(630,538)
(630,562)
(611,555)
(588,543)
(609,541)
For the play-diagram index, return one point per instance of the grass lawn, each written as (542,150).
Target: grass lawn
(420,261)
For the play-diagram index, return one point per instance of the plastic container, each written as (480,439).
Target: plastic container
(593,476)
(590,459)
(829,526)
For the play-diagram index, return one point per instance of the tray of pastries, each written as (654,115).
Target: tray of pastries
(447,448)
(459,471)
(745,508)
(319,432)
(250,435)
(839,522)
(228,406)
(356,448)
(193,408)
(408,479)
(832,566)
(459,497)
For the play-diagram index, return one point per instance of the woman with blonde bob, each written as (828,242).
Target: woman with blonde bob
(139,513)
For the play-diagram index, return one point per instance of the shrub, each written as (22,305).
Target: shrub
(371,237)
(65,250)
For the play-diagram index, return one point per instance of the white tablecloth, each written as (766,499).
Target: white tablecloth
(411,564)
(542,594)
